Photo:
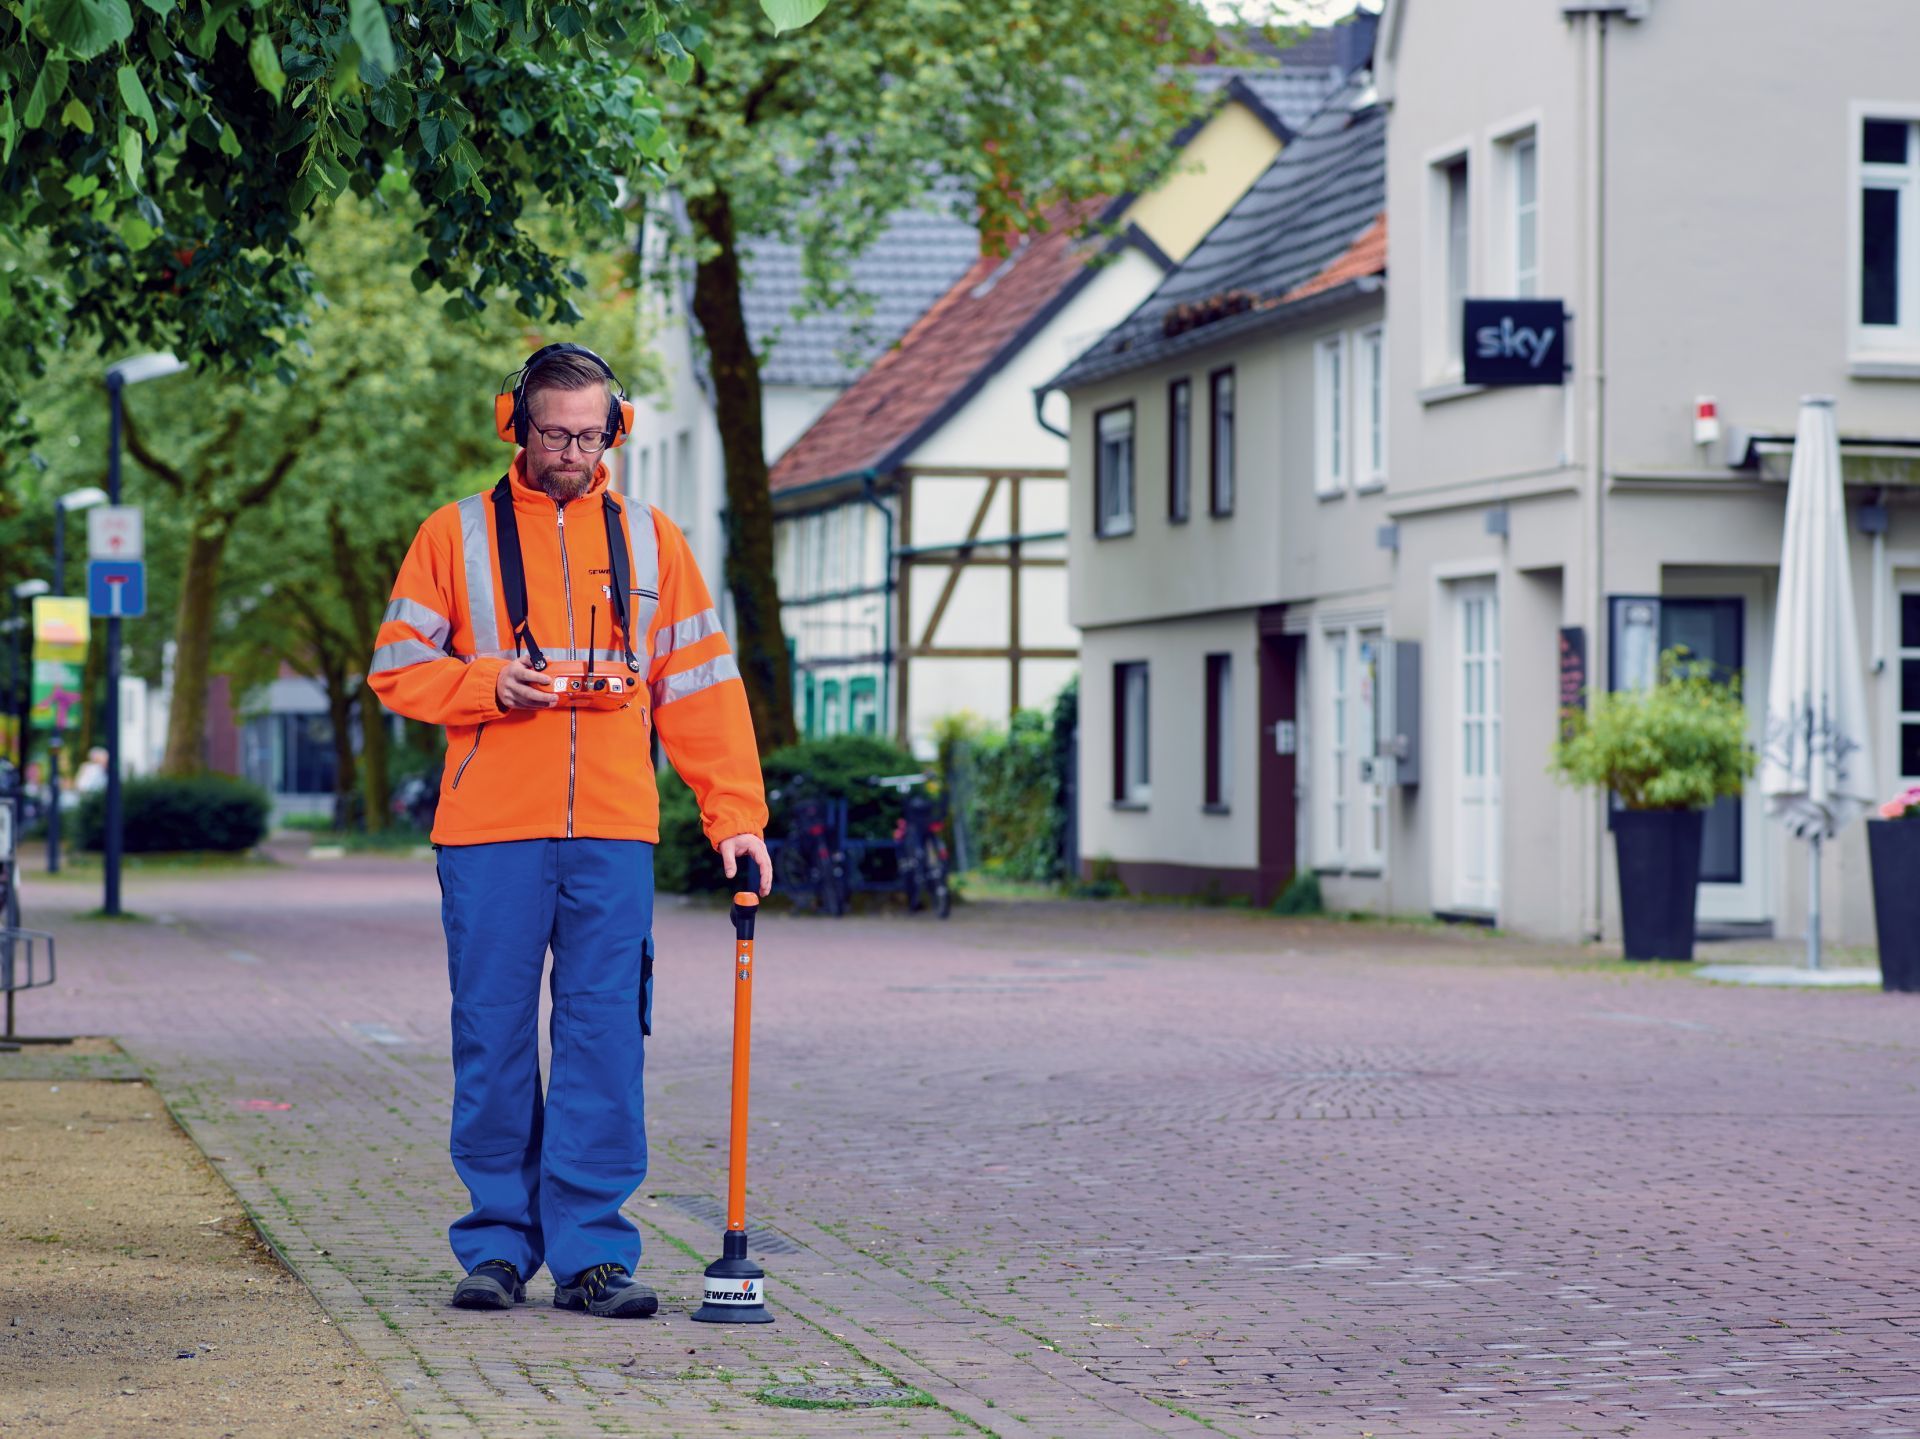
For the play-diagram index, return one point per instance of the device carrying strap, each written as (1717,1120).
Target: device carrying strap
(513,573)
(622,576)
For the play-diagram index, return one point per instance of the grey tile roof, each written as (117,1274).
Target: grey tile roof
(1323,191)
(913,263)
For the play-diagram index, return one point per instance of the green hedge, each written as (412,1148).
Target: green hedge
(211,811)
(835,768)
(1011,799)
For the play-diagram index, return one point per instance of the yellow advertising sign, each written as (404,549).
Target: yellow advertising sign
(59,655)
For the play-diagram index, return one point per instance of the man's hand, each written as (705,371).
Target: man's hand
(522,687)
(749,846)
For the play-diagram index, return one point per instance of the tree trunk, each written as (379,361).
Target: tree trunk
(340,716)
(193,652)
(376,788)
(760,639)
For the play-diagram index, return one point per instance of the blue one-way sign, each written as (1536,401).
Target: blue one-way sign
(117,589)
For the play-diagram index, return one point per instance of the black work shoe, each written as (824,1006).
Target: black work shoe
(606,1290)
(493,1284)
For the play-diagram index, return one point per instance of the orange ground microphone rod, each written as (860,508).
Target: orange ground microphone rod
(735,1291)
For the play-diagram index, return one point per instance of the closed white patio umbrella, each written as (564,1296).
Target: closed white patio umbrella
(1816,765)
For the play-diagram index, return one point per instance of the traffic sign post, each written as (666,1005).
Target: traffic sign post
(117,589)
(116,532)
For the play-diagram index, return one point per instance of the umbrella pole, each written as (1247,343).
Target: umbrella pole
(1813,903)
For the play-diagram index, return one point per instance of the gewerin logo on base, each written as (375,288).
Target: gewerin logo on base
(734,1291)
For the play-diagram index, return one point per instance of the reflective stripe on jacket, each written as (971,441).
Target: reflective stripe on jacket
(566,773)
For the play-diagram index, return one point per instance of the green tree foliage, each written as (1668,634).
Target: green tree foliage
(165,154)
(1679,744)
(822,134)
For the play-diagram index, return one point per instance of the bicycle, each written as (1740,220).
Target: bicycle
(920,846)
(811,860)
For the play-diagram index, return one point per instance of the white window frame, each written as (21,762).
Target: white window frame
(1335,748)
(1332,417)
(1902,339)
(1511,141)
(1369,388)
(1113,513)
(1443,317)
(1350,818)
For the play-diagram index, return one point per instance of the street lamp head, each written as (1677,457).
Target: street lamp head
(144,367)
(28,589)
(84,499)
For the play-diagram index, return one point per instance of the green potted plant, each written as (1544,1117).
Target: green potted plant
(1666,753)
(1893,850)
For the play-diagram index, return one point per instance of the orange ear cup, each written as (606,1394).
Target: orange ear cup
(626,425)
(503,417)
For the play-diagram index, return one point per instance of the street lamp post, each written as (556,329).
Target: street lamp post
(84,499)
(127,372)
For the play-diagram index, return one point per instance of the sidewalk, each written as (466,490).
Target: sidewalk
(1085,1170)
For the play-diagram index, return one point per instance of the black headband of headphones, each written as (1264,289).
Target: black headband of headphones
(616,392)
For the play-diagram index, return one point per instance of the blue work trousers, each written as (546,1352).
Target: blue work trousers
(547,1177)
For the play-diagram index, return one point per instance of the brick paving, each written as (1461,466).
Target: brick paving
(1087,1170)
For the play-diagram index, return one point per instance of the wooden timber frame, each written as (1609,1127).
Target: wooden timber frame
(946,562)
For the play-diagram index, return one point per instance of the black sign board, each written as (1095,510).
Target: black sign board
(1573,677)
(1515,342)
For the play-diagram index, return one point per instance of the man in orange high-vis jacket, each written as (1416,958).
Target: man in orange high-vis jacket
(548,817)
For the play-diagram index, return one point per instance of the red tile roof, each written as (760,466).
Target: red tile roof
(1367,255)
(947,354)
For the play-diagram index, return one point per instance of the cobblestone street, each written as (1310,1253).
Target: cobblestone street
(1084,1169)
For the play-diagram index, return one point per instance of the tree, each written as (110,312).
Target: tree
(288,507)
(821,135)
(164,156)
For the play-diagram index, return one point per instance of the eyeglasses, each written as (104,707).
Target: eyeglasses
(591,442)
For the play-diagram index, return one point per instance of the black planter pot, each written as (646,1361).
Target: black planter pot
(1659,854)
(1893,847)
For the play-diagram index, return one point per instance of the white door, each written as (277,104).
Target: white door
(1476,750)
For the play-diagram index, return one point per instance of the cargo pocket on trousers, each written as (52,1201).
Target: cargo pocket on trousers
(646,985)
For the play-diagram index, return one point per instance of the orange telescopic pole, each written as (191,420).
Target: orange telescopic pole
(742,1051)
(735,1287)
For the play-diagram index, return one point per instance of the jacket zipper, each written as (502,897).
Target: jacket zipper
(470,754)
(573,715)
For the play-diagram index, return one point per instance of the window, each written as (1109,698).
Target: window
(830,720)
(1910,686)
(1521,154)
(1130,769)
(1221,451)
(685,494)
(1217,789)
(863,704)
(1370,426)
(1179,450)
(1452,264)
(1113,471)
(1887,315)
(1335,738)
(1369,779)
(1330,415)
(1350,779)
(643,487)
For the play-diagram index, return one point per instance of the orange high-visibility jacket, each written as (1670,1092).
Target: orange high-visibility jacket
(566,773)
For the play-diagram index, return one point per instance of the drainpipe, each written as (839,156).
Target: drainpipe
(868,496)
(1039,413)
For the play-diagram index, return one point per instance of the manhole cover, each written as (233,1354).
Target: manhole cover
(707,1209)
(842,1396)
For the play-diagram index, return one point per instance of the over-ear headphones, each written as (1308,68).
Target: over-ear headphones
(511,421)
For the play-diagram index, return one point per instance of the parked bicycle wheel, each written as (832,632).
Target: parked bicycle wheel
(935,869)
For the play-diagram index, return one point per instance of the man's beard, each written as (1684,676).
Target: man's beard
(562,486)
